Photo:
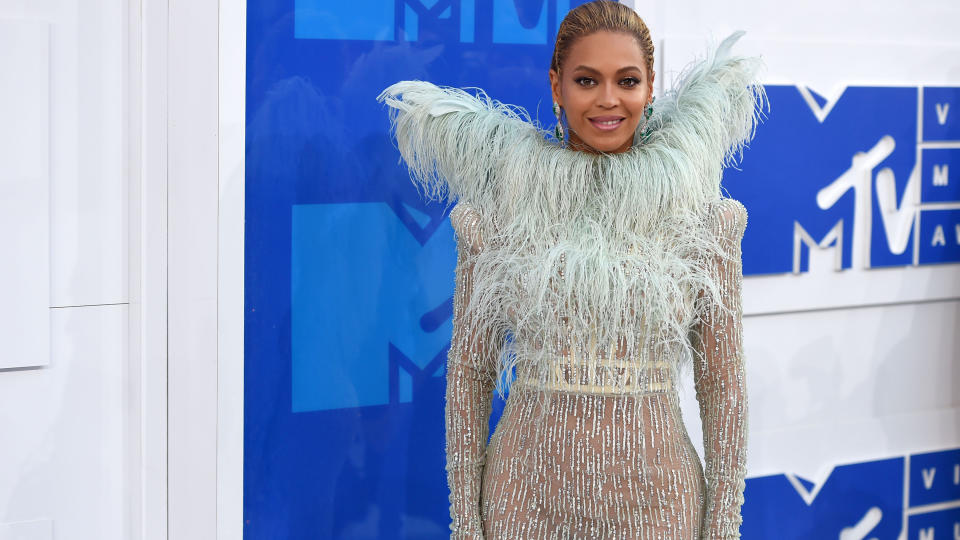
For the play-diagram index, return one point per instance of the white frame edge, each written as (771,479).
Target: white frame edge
(193,198)
(146,466)
(230,282)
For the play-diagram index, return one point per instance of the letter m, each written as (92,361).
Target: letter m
(941,174)
(834,236)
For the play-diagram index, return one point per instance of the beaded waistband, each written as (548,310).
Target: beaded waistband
(596,375)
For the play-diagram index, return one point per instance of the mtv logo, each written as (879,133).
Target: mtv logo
(862,178)
(860,501)
(371,308)
(504,21)
(935,478)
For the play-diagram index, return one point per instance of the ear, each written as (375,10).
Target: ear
(555,86)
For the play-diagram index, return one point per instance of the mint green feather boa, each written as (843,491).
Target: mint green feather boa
(578,247)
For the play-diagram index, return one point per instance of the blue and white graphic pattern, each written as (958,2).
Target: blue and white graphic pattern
(531,23)
(864,174)
(917,495)
(349,275)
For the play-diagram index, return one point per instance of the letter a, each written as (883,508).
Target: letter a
(938,238)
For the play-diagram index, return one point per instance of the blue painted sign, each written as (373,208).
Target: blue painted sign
(349,274)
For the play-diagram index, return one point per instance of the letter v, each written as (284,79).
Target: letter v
(942,110)
(897,219)
(928,477)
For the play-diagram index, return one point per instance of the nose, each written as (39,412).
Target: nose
(608,97)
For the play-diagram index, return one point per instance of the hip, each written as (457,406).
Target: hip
(622,460)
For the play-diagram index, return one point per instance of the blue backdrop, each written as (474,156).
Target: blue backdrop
(349,275)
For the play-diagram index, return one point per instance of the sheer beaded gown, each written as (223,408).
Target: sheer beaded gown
(594,278)
(590,468)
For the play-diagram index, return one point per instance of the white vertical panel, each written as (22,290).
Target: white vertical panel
(147,162)
(192,268)
(24,193)
(231,269)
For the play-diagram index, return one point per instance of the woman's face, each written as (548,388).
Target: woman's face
(603,87)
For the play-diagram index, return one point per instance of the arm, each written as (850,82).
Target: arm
(719,377)
(469,389)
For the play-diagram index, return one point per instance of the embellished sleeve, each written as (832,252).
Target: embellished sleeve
(469,390)
(719,377)
(713,111)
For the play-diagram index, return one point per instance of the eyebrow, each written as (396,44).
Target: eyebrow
(626,68)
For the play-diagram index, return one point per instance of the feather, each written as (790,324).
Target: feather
(581,248)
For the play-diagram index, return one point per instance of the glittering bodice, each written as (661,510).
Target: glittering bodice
(596,447)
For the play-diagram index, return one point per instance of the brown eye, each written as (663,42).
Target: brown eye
(584,81)
(630,82)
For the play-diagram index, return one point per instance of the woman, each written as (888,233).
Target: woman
(599,267)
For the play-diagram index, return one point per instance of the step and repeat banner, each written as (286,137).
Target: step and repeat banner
(349,274)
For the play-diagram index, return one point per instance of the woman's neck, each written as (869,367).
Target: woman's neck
(576,143)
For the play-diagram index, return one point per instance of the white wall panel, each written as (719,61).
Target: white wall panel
(930,21)
(41,529)
(24,193)
(870,382)
(63,426)
(89,191)
(62,452)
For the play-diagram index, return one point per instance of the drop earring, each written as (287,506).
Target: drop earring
(558,129)
(647,113)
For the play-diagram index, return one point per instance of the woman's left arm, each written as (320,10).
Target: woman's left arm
(720,382)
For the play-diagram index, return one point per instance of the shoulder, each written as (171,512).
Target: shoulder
(728,218)
(468,224)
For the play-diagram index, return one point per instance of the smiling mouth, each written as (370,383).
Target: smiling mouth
(607,123)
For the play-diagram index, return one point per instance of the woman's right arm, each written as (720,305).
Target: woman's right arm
(470,382)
